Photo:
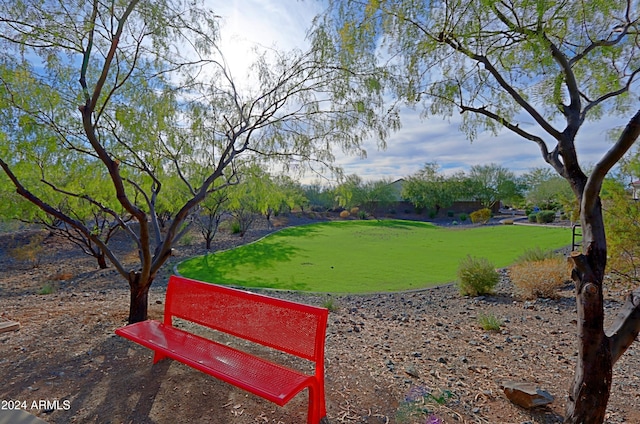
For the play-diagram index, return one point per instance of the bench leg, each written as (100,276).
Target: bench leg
(158,356)
(317,408)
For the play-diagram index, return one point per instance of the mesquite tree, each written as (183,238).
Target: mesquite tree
(141,91)
(502,64)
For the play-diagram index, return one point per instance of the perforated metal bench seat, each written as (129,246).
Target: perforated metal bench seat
(290,327)
(263,378)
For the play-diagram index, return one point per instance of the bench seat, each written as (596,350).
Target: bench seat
(266,379)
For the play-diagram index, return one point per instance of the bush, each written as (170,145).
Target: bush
(545,217)
(489,322)
(463,217)
(354,211)
(542,278)
(481,216)
(330,304)
(31,251)
(476,276)
(536,254)
(47,288)
(236,227)
(362,215)
(344,214)
(533,217)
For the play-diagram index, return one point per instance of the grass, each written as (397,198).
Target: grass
(366,256)
(489,322)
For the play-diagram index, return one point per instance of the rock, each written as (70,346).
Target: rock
(412,371)
(526,395)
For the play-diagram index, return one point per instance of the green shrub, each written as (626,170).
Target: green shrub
(481,216)
(532,217)
(463,217)
(489,322)
(362,215)
(330,304)
(534,279)
(545,217)
(47,288)
(476,276)
(236,227)
(536,254)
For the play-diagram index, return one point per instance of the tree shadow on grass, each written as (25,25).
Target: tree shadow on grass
(221,267)
(402,224)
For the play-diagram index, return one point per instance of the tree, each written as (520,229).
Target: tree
(622,219)
(15,207)
(320,198)
(491,184)
(366,195)
(209,213)
(503,65)
(377,195)
(261,194)
(547,191)
(429,189)
(141,91)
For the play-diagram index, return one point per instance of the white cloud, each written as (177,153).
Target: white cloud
(284,24)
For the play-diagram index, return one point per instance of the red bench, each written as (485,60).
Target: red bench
(290,327)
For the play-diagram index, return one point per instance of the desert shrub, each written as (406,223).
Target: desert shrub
(47,288)
(30,251)
(536,254)
(532,217)
(354,211)
(481,216)
(545,217)
(187,239)
(463,217)
(236,227)
(542,278)
(344,214)
(489,322)
(330,304)
(476,276)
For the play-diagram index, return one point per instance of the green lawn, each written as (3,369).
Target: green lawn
(366,256)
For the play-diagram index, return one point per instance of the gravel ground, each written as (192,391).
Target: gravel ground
(390,358)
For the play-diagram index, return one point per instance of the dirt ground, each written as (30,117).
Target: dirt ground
(390,358)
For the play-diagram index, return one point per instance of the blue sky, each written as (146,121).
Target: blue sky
(246,23)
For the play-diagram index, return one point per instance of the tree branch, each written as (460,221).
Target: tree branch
(626,327)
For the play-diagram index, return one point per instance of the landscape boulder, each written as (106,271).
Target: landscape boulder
(526,395)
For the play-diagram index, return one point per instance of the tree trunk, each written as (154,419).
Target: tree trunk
(102,261)
(139,301)
(591,387)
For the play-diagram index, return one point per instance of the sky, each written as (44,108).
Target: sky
(284,23)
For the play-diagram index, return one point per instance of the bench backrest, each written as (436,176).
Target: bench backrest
(291,327)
